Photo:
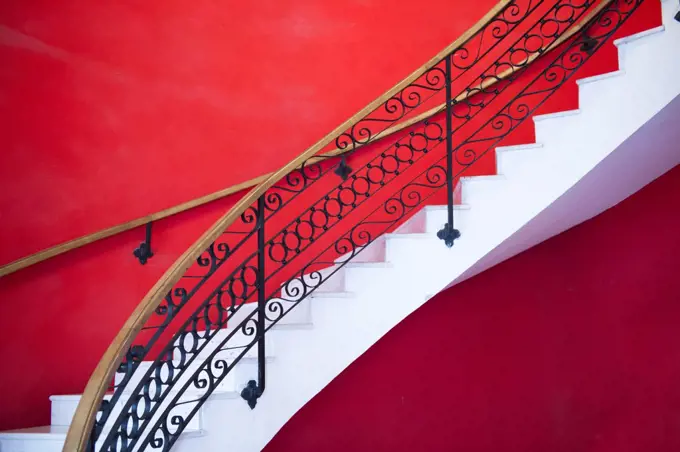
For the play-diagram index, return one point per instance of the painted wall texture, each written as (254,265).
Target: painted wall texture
(116,110)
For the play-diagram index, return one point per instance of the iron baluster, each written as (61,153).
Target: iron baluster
(448,234)
(253,389)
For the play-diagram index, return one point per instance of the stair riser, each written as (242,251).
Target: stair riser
(374,252)
(592,91)
(414,225)
(63,410)
(235,344)
(302,314)
(37,445)
(359,278)
(141,370)
(333,281)
(549,130)
(437,218)
(399,249)
(517,163)
(638,50)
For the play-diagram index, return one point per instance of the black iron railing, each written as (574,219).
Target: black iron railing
(268,262)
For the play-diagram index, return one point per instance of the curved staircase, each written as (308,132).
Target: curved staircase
(370,290)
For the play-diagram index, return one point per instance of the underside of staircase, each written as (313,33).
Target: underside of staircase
(584,161)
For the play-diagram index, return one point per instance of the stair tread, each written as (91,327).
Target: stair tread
(444,207)
(74,397)
(58,432)
(46,431)
(637,36)
(342,294)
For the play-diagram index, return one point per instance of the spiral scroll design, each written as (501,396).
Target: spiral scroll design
(431,82)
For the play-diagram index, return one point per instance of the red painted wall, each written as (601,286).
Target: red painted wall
(570,346)
(58,317)
(112,111)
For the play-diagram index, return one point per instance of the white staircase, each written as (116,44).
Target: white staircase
(537,194)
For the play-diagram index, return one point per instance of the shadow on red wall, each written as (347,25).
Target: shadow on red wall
(570,346)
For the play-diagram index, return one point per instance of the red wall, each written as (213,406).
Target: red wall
(58,317)
(113,111)
(570,346)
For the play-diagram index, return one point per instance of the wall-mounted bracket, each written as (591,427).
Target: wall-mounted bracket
(143,252)
(343,170)
(589,45)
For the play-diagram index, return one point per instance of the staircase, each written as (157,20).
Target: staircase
(363,298)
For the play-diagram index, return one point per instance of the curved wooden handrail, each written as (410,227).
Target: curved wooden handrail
(64,247)
(83,419)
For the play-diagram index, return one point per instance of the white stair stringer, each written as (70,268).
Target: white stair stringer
(502,216)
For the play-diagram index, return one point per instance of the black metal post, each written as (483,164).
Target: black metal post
(261,300)
(253,389)
(143,252)
(448,234)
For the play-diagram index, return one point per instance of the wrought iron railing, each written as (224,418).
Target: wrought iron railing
(258,263)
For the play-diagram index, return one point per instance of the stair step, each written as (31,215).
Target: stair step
(232,348)
(512,160)
(353,264)
(415,236)
(46,438)
(603,88)
(552,127)
(333,281)
(519,147)
(419,222)
(437,216)
(373,252)
(417,246)
(477,188)
(629,45)
(600,77)
(301,315)
(333,295)
(358,276)
(50,438)
(63,407)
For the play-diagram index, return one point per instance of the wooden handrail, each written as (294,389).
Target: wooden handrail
(56,250)
(79,430)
